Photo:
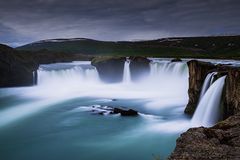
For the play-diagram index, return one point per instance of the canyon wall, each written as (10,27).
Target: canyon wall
(197,73)
(221,141)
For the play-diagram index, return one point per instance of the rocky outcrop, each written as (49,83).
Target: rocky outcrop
(110,69)
(123,112)
(231,99)
(231,93)
(14,71)
(139,67)
(223,140)
(219,142)
(197,74)
(106,110)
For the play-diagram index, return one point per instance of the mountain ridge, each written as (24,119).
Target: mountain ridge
(207,46)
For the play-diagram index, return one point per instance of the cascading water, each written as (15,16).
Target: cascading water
(207,83)
(64,98)
(74,74)
(161,68)
(126,72)
(208,109)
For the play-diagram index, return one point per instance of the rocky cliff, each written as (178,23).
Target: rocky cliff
(110,69)
(232,92)
(139,67)
(222,140)
(197,73)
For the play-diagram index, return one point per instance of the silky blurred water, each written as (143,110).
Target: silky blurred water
(54,120)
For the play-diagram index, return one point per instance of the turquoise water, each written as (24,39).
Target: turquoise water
(69,130)
(54,120)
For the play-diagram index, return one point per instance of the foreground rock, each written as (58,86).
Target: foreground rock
(219,142)
(110,69)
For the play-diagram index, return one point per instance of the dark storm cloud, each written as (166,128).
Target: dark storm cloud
(25,21)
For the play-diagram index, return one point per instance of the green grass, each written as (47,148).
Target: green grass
(195,47)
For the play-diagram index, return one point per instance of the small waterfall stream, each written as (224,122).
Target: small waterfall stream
(207,83)
(126,72)
(208,109)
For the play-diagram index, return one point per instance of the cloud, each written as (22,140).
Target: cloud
(116,19)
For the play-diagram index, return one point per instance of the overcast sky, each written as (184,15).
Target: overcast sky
(24,21)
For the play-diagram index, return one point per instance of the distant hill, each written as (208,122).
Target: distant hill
(215,46)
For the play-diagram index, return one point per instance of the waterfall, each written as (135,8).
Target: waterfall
(162,68)
(207,83)
(73,74)
(208,109)
(34,73)
(126,72)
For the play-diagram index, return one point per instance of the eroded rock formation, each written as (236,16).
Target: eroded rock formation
(110,69)
(139,67)
(232,93)
(197,73)
(221,142)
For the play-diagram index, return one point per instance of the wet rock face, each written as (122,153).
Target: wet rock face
(219,142)
(110,69)
(197,74)
(139,67)
(232,93)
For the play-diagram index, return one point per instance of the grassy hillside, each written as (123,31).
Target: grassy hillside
(201,47)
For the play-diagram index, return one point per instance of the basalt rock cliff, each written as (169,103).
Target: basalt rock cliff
(110,69)
(197,73)
(222,140)
(139,67)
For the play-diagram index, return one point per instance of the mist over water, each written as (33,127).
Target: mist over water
(56,116)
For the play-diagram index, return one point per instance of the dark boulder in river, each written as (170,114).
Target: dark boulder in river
(123,112)
(139,67)
(110,69)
